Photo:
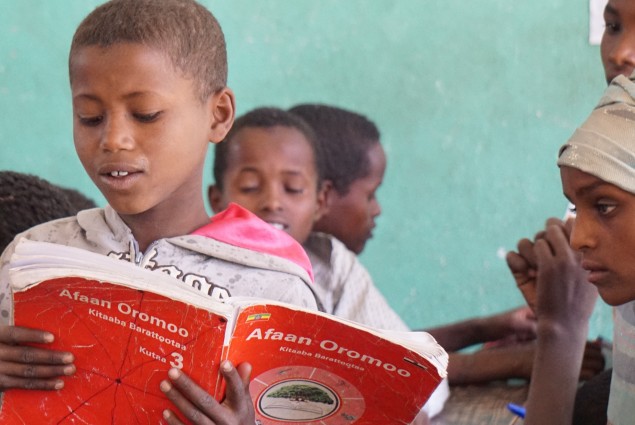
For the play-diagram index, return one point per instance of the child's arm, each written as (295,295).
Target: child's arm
(511,362)
(564,303)
(28,367)
(199,407)
(518,324)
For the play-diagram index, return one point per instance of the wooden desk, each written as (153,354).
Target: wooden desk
(482,405)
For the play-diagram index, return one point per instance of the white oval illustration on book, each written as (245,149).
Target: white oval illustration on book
(303,394)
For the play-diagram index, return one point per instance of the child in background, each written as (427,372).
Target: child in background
(148,85)
(617,48)
(598,177)
(27,200)
(270,164)
(354,165)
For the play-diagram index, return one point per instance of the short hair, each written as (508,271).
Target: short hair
(266,117)
(184,30)
(345,138)
(27,200)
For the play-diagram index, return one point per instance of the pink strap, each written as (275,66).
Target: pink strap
(240,227)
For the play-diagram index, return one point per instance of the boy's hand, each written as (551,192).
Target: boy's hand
(29,367)
(563,293)
(523,266)
(199,407)
(511,326)
(524,263)
(593,361)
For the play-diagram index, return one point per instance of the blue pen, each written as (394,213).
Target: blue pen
(516,409)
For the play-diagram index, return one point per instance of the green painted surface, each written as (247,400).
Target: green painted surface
(472,99)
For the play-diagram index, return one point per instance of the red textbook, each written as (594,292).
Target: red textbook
(127,326)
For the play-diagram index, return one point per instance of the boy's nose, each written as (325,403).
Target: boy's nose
(271,200)
(116,136)
(581,237)
(375,209)
(623,54)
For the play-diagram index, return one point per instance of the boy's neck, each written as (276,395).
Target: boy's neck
(148,227)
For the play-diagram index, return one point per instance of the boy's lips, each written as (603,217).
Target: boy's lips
(278,225)
(596,272)
(119,177)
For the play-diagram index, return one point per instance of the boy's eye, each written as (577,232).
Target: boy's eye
(611,27)
(295,189)
(248,189)
(605,208)
(147,118)
(90,121)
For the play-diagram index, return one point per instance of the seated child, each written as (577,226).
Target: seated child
(148,86)
(27,200)
(598,177)
(617,51)
(270,164)
(354,167)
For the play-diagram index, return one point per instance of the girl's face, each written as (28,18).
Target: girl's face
(618,42)
(604,232)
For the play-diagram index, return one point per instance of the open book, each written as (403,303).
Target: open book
(127,326)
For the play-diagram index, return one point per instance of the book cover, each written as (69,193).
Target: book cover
(127,326)
(311,369)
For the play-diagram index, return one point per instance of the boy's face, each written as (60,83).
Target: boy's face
(351,217)
(271,172)
(618,43)
(604,232)
(140,130)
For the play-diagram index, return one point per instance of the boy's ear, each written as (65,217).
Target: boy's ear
(325,193)
(215,197)
(223,111)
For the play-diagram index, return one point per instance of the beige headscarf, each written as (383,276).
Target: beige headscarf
(604,146)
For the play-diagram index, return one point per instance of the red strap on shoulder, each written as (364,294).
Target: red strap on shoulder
(240,227)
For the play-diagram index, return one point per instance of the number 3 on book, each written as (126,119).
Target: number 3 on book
(178,361)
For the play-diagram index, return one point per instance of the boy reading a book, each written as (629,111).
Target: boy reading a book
(148,85)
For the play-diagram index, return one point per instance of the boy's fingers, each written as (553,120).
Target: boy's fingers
(237,397)
(18,335)
(237,390)
(32,355)
(516,263)
(526,250)
(544,252)
(557,237)
(552,221)
(11,382)
(30,371)
(194,403)
(244,370)
(171,418)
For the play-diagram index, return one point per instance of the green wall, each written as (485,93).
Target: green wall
(473,100)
